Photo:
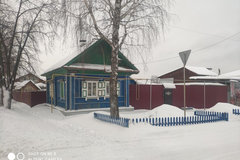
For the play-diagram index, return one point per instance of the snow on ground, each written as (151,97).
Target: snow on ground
(40,134)
(164,110)
(225,107)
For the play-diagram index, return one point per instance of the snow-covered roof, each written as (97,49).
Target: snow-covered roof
(200,84)
(89,50)
(235,75)
(41,85)
(169,85)
(201,71)
(19,85)
(62,62)
(231,74)
(215,78)
(101,67)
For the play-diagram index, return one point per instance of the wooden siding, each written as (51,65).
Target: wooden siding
(73,102)
(142,97)
(30,98)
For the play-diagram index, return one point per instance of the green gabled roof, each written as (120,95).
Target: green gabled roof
(97,53)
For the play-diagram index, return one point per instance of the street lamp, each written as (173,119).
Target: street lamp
(184,57)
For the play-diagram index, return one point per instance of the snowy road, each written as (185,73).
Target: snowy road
(39,134)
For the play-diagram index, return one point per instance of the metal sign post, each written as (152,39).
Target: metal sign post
(184,57)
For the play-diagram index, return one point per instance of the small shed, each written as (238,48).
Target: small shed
(81,81)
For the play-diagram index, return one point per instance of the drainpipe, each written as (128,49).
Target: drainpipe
(126,95)
(70,96)
(204,88)
(66,96)
(151,95)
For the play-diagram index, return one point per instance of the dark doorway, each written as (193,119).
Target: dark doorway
(168,96)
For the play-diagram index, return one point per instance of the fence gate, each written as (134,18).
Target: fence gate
(168,96)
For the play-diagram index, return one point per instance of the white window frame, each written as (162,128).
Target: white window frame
(101,89)
(85,89)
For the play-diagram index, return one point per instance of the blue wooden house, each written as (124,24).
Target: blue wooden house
(83,81)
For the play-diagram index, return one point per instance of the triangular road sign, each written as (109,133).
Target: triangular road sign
(184,56)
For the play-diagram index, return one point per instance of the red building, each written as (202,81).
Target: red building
(177,74)
(199,93)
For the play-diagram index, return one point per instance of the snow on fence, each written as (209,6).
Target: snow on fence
(236,111)
(119,121)
(200,117)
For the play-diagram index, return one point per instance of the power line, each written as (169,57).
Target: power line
(194,51)
(214,44)
(203,33)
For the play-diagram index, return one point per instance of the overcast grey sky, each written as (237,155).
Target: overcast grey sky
(210,28)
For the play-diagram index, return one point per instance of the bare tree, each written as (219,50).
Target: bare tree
(121,23)
(21,29)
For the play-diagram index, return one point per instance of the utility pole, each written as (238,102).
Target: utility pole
(184,57)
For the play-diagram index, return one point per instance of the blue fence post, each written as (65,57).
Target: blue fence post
(127,122)
(119,121)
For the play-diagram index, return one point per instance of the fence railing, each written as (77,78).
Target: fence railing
(209,114)
(236,111)
(177,121)
(119,121)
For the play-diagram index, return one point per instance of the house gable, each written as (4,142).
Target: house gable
(177,74)
(99,54)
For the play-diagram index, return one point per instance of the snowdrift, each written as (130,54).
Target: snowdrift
(164,110)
